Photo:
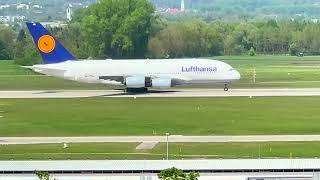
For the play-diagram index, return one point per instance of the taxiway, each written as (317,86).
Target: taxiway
(168,93)
(159,139)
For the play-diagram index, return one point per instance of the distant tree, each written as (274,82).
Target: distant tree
(43,175)
(272,23)
(177,174)
(7,37)
(3,51)
(25,52)
(241,39)
(252,52)
(156,48)
(79,14)
(168,42)
(73,38)
(187,39)
(284,37)
(118,28)
(293,49)
(309,39)
(214,40)
(193,176)
(171,174)
(20,44)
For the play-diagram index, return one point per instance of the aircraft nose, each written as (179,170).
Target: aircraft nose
(236,75)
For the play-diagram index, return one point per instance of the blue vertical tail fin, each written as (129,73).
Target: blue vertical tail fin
(51,50)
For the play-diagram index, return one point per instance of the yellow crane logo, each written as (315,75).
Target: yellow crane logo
(46,44)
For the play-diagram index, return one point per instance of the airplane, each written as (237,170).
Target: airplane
(132,73)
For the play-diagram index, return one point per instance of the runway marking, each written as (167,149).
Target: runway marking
(47,92)
(146,145)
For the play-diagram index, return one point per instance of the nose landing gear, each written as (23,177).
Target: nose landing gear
(226,87)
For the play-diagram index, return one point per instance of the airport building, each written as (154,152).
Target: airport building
(232,169)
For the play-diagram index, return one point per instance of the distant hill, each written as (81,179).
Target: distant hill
(40,10)
(252,9)
(209,10)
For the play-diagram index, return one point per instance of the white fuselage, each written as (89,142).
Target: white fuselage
(184,71)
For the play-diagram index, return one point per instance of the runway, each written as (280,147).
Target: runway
(159,139)
(162,93)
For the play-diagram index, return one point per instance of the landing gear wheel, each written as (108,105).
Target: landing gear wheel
(226,88)
(135,90)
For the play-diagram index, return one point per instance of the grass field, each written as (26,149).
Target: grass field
(276,71)
(271,71)
(155,116)
(176,151)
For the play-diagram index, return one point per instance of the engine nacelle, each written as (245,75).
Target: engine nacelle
(162,83)
(135,82)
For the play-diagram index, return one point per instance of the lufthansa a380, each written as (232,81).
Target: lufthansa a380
(133,73)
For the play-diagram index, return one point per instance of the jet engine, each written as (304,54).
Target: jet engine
(135,82)
(162,83)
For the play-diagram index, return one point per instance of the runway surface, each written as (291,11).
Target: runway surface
(169,93)
(159,139)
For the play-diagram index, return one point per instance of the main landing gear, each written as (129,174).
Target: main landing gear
(226,87)
(136,90)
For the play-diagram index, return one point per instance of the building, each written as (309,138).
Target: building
(53,24)
(23,6)
(69,12)
(5,19)
(4,6)
(182,6)
(11,19)
(36,6)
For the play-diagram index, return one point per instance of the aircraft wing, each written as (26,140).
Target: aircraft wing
(178,80)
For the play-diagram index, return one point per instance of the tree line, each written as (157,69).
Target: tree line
(197,38)
(166,174)
(132,29)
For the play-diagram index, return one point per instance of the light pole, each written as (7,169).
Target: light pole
(167,135)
